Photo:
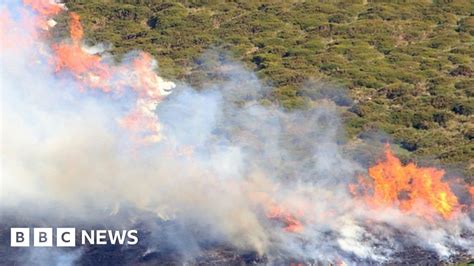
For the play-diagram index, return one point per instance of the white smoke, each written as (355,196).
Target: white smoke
(224,156)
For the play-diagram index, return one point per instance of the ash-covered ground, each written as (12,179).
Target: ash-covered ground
(168,243)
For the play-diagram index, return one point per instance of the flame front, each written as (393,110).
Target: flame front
(93,73)
(87,68)
(407,187)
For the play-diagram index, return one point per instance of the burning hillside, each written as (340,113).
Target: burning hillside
(418,190)
(209,176)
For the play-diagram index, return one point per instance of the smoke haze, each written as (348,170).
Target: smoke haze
(215,161)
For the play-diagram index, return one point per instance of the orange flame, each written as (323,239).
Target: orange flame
(406,187)
(149,87)
(91,71)
(45,8)
(147,82)
(143,123)
(471,191)
(85,67)
(292,224)
(75,27)
(289,217)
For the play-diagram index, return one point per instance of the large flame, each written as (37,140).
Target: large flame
(412,189)
(92,72)
(85,67)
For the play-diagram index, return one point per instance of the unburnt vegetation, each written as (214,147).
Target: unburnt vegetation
(402,68)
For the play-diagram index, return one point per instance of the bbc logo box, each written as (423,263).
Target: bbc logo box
(42,237)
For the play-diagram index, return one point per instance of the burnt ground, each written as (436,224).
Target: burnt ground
(184,250)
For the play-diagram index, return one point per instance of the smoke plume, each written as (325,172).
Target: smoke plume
(95,139)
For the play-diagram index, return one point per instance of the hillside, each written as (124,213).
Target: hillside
(403,69)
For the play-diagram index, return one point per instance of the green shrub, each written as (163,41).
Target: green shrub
(407,65)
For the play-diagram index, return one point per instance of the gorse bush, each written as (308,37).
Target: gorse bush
(406,65)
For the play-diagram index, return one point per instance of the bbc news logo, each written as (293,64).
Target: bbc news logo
(66,237)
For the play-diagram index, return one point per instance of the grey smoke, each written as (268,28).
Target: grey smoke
(222,151)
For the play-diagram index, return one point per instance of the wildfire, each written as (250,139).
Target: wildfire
(277,212)
(85,67)
(408,187)
(290,217)
(75,27)
(45,8)
(143,122)
(292,224)
(151,89)
(471,191)
(148,84)
(92,73)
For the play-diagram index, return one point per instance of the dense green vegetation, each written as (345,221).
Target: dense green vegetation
(406,65)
